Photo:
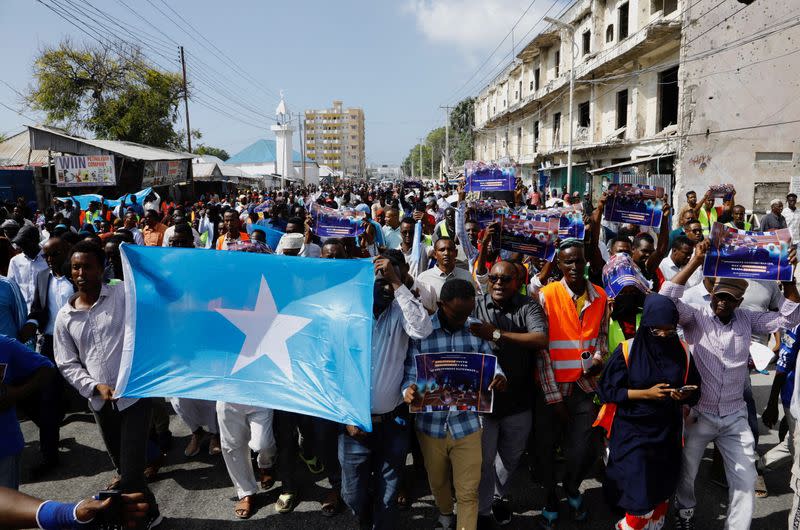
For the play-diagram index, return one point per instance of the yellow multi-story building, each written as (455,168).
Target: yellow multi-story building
(334,137)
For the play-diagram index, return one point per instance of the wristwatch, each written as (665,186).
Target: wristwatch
(496,335)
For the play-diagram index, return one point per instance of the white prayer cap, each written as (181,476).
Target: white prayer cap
(292,241)
(773,202)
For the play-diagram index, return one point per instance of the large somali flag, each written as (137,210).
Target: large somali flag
(282,332)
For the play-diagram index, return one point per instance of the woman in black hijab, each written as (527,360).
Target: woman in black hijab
(642,379)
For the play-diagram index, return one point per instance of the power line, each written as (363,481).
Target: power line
(17,112)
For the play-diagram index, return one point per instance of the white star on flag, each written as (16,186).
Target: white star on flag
(266,331)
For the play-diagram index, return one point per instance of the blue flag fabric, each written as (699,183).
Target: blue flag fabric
(282,332)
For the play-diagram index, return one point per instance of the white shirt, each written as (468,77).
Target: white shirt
(415,268)
(405,317)
(59,289)
(88,344)
(793,223)
(138,238)
(170,231)
(23,270)
(433,280)
(669,270)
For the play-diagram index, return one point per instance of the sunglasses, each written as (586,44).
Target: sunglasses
(501,278)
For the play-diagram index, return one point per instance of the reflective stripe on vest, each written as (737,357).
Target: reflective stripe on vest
(570,335)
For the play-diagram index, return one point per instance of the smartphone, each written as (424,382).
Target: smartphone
(114,515)
(687,388)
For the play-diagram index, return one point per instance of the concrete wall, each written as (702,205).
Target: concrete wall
(728,83)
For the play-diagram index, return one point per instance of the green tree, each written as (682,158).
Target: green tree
(433,146)
(110,91)
(213,151)
(462,137)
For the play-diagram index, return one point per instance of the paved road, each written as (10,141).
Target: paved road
(197,494)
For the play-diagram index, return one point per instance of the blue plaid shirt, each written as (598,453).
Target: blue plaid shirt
(437,424)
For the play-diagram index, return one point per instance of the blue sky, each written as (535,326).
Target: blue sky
(397,59)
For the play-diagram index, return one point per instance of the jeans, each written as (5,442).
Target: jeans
(503,443)
(752,413)
(783,451)
(125,434)
(9,471)
(733,437)
(376,465)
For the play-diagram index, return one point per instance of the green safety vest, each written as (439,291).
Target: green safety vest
(615,334)
(747,226)
(706,219)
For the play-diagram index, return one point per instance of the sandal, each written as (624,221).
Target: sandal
(402,500)
(761,487)
(315,466)
(244,508)
(286,503)
(266,478)
(332,504)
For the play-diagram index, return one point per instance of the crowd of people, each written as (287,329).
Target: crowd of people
(639,383)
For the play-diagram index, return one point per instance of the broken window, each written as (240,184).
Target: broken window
(667,6)
(557,61)
(622,108)
(536,79)
(557,129)
(519,140)
(535,136)
(623,20)
(668,97)
(610,33)
(587,42)
(583,115)
(520,90)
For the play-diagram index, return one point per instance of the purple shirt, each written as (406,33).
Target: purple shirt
(721,351)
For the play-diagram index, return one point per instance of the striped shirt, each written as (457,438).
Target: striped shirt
(721,351)
(437,424)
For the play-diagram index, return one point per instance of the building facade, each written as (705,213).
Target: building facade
(664,94)
(740,110)
(334,137)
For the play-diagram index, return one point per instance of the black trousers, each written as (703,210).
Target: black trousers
(46,408)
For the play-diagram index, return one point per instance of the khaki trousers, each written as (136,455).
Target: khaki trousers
(464,457)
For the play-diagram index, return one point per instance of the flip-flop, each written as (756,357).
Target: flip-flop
(286,503)
(761,488)
(244,508)
(402,501)
(332,504)
(314,465)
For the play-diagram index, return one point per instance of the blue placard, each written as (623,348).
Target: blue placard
(337,223)
(749,255)
(489,177)
(621,272)
(635,204)
(534,237)
(454,381)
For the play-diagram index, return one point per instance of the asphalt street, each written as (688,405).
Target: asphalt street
(197,493)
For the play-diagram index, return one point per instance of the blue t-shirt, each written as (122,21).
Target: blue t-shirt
(787,360)
(17,363)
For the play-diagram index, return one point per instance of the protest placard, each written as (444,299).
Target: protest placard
(337,223)
(489,177)
(534,237)
(634,203)
(750,255)
(621,272)
(454,381)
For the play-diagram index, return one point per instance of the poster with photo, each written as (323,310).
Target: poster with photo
(621,272)
(454,381)
(635,204)
(749,255)
(92,170)
(534,237)
(337,223)
(481,176)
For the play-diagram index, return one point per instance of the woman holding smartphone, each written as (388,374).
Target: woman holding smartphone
(648,380)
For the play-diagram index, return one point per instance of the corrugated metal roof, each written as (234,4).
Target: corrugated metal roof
(205,170)
(42,137)
(14,151)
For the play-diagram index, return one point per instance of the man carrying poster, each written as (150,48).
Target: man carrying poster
(751,255)
(451,440)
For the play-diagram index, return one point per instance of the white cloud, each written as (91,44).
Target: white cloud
(474,25)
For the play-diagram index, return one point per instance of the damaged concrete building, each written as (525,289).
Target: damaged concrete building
(650,75)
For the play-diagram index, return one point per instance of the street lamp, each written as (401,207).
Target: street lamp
(570,29)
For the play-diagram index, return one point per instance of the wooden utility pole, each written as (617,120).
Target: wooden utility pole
(186,103)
